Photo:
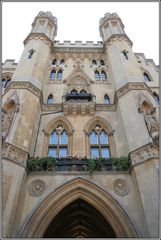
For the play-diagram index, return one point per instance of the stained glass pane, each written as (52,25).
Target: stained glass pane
(53,138)
(52,152)
(94,152)
(106,99)
(105,152)
(52,75)
(59,74)
(63,152)
(93,138)
(103,138)
(64,138)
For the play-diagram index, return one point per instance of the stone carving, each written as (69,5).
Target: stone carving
(12,152)
(26,85)
(37,187)
(146,107)
(121,187)
(151,123)
(10,107)
(146,152)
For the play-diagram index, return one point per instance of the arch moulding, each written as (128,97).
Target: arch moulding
(55,201)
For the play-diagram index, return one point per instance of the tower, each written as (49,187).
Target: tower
(135,109)
(21,111)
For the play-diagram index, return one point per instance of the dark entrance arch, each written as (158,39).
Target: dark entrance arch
(79,219)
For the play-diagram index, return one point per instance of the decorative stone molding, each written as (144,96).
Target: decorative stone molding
(146,152)
(52,107)
(105,107)
(39,36)
(14,153)
(132,86)
(121,187)
(117,37)
(37,188)
(78,108)
(25,85)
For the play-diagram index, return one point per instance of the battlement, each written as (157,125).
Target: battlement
(48,15)
(110,16)
(79,44)
(146,60)
(9,63)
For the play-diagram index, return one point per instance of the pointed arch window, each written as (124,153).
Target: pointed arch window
(83,91)
(103,75)
(97,75)
(146,77)
(50,99)
(6,82)
(58,143)
(106,99)
(54,62)
(74,91)
(59,75)
(52,74)
(62,62)
(94,62)
(99,144)
(102,62)
(156,97)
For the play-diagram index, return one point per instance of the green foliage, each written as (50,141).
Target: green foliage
(41,163)
(91,165)
(121,163)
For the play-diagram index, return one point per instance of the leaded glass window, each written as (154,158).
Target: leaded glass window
(99,143)
(58,143)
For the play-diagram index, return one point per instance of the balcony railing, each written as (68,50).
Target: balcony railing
(78,96)
(80,165)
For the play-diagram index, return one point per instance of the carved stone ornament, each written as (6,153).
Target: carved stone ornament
(121,187)
(146,152)
(10,107)
(37,187)
(14,153)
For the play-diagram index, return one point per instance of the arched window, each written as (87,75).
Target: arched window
(59,75)
(83,91)
(156,97)
(54,62)
(58,143)
(102,62)
(106,99)
(31,52)
(5,82)
(125,54)
(103,75)
(74,91)
(99,145)
(62,62)
(94,62)
(52,74)
(50,99)
(146,77)
(97,75)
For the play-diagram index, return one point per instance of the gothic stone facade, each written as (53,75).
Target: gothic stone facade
(82,94)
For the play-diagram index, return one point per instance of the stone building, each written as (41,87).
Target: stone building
(93,110)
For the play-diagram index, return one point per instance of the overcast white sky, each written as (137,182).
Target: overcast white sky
(80,21)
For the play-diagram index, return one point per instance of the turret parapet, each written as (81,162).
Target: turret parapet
(111,26)
(9,63)
(47,14)
(146,60)
(110,16)
(87,44)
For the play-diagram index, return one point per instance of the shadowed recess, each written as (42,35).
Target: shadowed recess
(79,219)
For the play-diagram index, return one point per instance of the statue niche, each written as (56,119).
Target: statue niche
(150,119)
(8,111)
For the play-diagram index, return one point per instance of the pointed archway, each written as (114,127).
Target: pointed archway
(79,219)
(53,203)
